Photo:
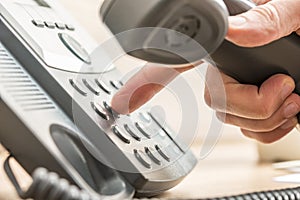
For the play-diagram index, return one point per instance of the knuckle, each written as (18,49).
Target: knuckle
(264,110)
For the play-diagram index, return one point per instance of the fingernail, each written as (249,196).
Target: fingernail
(237,21)
(289,124)
(287,89)
(291,110)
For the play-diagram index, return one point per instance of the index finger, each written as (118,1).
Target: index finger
(143,86)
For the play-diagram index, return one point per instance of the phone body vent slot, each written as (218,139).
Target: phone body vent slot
(17,83)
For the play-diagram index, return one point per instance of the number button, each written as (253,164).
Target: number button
(103,86)
(127,128)
(142,158)
(118,133)
(75,85)
(141,128)
(116,84)
(99,111)
(149,151)
(162,153)
(90,86)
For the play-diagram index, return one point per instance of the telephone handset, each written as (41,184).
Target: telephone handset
(111,155)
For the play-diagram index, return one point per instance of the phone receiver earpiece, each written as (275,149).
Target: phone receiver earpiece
(167,32)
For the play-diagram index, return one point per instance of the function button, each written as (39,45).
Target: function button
(163,154)
(70,27)
(118,133)
(116,84)
(142,158)
(149,151)
(127,128)
(75,47)
(75,86)
(99,111)
(60,26)
(38,23)
(103,86)
(141,128)
(50,24)
(90,86)
(145,117)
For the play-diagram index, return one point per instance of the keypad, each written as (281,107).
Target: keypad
(142,129)
(130,132)
(99,111)
(120,135)
(77,87)
(133,131)
(142,158)
(162,153)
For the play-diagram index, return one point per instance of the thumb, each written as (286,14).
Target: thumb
(265,23)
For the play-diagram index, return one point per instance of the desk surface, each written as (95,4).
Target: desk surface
(231,168)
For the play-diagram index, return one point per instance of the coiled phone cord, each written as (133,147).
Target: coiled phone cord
(47,186)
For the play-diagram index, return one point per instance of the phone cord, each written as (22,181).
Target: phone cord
(47,185)
(282,194)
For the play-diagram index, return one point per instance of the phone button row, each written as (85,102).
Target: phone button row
(52,25)
(142,158)
(92,86)
(118,133)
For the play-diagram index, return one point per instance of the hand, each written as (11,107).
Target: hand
(266,113)
(269,112)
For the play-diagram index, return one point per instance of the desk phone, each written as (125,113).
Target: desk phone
(55,114)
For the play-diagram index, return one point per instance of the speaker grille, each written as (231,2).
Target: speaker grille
(17,83)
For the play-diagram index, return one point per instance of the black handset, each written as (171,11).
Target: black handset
(255,65)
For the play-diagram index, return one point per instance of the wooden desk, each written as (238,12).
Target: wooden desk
(231,168)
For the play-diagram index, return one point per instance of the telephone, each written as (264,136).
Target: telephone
(55,114)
